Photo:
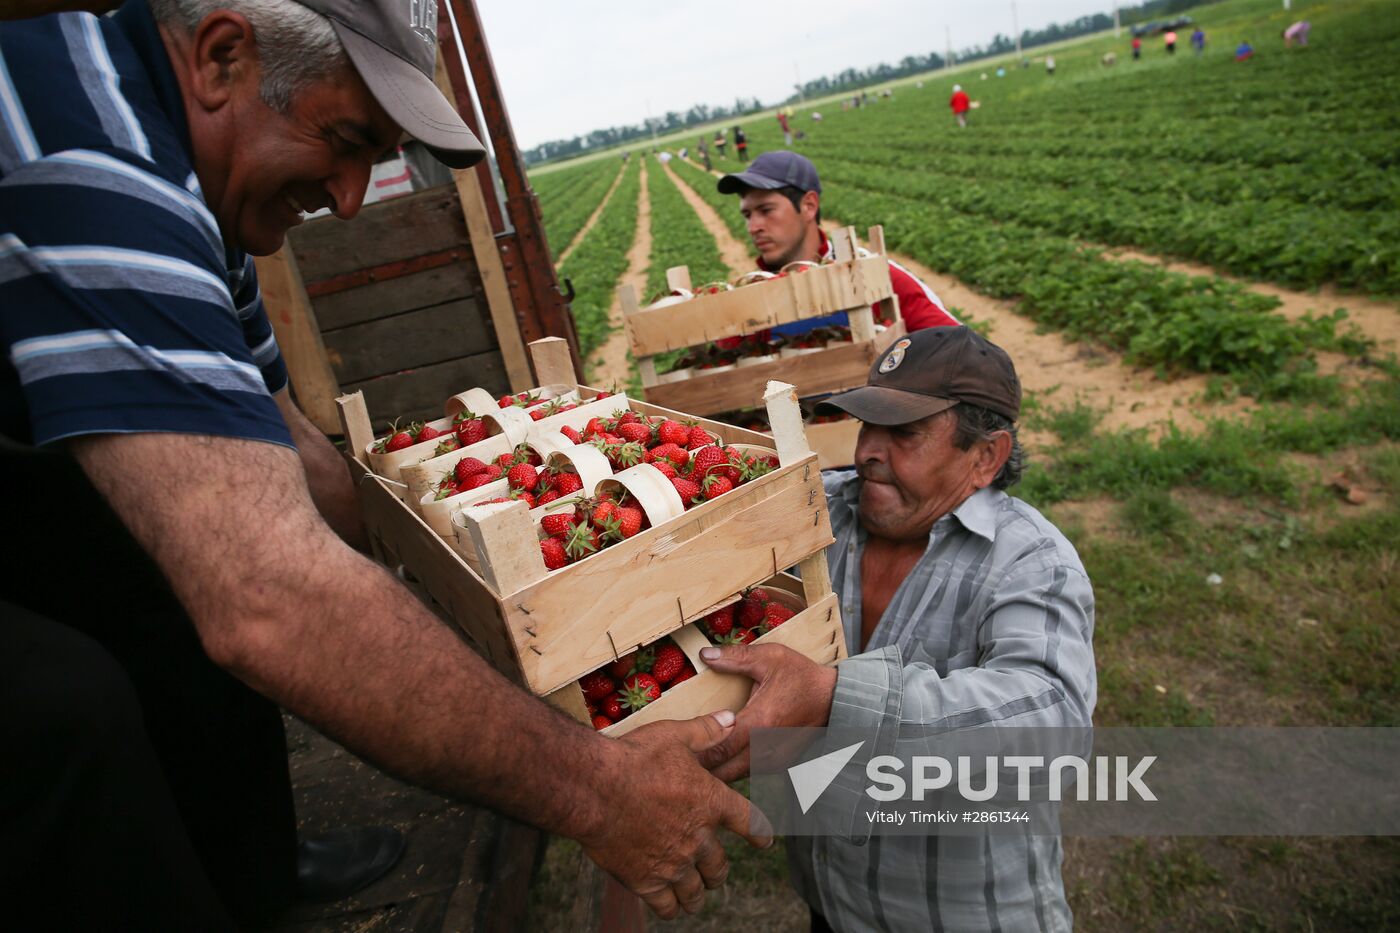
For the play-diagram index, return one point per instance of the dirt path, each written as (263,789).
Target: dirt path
(734,253)
(1064,371)
(1378,320)
(592,218)
(611,363)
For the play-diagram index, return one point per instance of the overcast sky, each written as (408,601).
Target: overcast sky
(567,67)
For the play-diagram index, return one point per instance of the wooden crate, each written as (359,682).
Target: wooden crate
(853,284)
(834,442)
(545,629)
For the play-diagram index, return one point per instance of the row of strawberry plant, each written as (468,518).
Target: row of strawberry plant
(1156,318)
(1278,241)
(566,211)
(678,237)
(600,260)
(726,205)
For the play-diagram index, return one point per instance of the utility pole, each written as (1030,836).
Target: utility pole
(1016,28)
(1118,23)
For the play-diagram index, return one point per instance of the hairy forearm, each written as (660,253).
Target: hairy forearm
(284,605)
(326,475)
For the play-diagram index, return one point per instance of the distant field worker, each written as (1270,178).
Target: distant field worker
(1137,47)
(1050,65)
(960,104)
(780,198)
(1297,34)
(720,142)
(1198,40)
(1245,52)
(741,144)
(704,153)
(1170,38)
(787,130)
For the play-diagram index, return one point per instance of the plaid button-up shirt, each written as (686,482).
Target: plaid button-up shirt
(994,626)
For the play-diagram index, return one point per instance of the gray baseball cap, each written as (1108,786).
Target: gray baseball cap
(393,46)
(774,170)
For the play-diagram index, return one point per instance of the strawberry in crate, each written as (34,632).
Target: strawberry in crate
(633,681)
(467,474)
(592,525)
(416,433)
(754,615)
(554,407)
(469,428)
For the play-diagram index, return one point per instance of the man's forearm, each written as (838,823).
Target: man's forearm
(327,475)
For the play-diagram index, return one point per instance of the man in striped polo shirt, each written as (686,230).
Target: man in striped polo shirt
(780,198)
(963,608)
(181,534)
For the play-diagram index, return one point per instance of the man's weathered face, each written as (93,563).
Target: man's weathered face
(260,168)
(913,474)
(317,154)
(778,229)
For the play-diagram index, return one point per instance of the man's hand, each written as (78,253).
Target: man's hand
(661,812)
(789,690)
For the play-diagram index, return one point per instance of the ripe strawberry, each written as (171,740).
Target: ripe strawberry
(732,470)
(493,472)
(467,467)
(687,488)
(639,690)
(601,722)
(698,437)
(632,431)
(597,687)
(571,434)
(603,513)
(398,441)
(548,496)
(445,492)
(666,467)
(506,461)
(686,673)
(751,609)
(775,615)
(716,486)
(505,401)
(593,428)
(557,524)
(523,476)
(473,481)
(552,549)
(567,483)
(670,661)
(630,519)
(602,395)
(677,454)
(611,707)
(673,432)
(537,414)
(427,433)
(526,497)
(471,432)
(627,417)
(706,460)
(447,445)
(720,622)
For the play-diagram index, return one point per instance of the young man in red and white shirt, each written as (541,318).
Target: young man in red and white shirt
(780,197)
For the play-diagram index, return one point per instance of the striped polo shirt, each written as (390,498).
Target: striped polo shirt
(122,309)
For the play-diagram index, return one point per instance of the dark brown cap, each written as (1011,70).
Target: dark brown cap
(393,46)
(930,371)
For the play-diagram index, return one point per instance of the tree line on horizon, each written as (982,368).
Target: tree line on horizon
(852,79)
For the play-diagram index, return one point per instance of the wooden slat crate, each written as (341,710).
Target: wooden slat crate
(853,284)
(545,629)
